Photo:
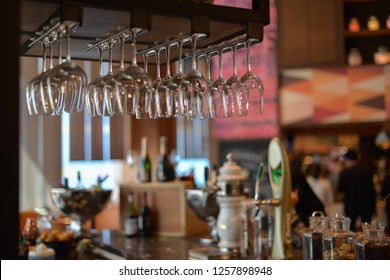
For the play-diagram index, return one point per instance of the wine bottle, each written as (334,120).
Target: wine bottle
(145,171)
(165,171)
(144,218)
(131,221)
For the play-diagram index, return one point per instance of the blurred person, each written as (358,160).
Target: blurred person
(321,186)
(356,182)
(307,201)
(385,194)
(333,169)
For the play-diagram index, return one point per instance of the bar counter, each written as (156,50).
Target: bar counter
(159,248)
(146,248)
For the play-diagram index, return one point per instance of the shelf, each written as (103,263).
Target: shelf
(168,18)
(367,33)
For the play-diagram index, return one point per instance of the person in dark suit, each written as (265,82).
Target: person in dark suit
(307,202)
(385,194)
(356,182)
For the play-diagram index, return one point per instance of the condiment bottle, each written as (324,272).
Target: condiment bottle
(312,237)
(374,245)
(338,241)
(353,25)
(373,23)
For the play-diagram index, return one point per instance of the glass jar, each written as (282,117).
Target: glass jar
(353,25)
(354,57)
(312,237)
(374,245)
(338,241)
(373,23)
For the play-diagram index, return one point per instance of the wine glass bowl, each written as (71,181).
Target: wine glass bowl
(80,205)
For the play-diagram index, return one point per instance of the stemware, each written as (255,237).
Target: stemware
(194,84)
(144,90)
(251,86)
(165,104)
(35,104)
(214,97)
(69,79)
(95,98)
(124,85)
(109,84)
(49,103)
(237,102)
(176,90)
(218,87)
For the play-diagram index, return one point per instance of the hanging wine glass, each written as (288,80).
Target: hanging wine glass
(250,85)
(109,95)
(165,105)
(69,78)
(236,102)
(152,104)
(49,103)
(214,97)
(140,76)
(218,86)
(35,104)
(202,101)
(194,84)
(177,92)
(125,86)
(95,99)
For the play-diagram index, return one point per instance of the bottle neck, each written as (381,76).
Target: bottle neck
(144,147)
(163,146)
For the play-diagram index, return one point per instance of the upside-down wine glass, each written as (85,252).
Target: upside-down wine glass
(144,91)
(69,78)
(94,94)
(152,102)
(251,85)
(214,97)
(218,87)
(33,95)
(166,103)
(125,87)
(49,103)
(194,84)
(177,92)
(237,102)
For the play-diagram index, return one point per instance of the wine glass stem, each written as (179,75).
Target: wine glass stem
(208,67)
(158,64)
(146,58)
(59,50)
(67,43)
(220,64)
(133,43)
(100,61)
(248,57)
(110,58)
(122,63)
(234,62)
(51,57)
(194,39)
(168,65)
(180,56)
(43,57)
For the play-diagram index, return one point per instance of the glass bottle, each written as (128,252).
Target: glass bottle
(165,171)
(338,241)
(131,221)
(313,236)
(145,170)
(144,218)
(373,23)
(353,25)
(374,245)
(354,57)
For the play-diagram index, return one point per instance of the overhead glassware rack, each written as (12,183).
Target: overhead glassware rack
(95,22)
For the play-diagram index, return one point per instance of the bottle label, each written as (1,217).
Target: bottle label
(131,226)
